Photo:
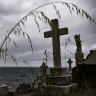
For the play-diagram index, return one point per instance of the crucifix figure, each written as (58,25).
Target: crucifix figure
(70,62)
(55,33)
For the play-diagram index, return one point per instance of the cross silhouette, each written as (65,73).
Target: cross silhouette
(55,33)
(70,62)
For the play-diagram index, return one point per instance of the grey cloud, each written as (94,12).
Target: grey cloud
(91,3)
(76,26)
(15,8)
(18,7)
(12,9)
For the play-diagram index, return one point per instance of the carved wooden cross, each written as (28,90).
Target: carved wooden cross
(70,62)
(55,33)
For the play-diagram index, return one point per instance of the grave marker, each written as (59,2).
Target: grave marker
(70,62)
(55,33)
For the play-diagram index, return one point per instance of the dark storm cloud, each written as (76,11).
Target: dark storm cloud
(18,7)
(9,9)
(92,3)
(89,6)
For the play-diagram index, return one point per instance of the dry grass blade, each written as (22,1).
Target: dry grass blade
(22,21)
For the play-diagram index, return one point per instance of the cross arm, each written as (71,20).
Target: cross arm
(47,34)
(63,31)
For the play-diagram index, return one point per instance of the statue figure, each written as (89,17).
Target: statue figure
(43,69)
(79,56)
(78,42)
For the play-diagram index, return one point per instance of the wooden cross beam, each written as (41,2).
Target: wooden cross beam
(61,31)
(55,33)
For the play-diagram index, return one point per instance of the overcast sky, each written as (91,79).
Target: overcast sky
(11,11)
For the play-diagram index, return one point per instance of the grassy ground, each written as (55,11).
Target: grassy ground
(80,91)
(83,91)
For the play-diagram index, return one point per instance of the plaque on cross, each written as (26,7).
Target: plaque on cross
(55,33)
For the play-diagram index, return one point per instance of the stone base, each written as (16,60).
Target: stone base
(53,90)
(79,56)
(58,71)
(4,90)
(58,80)
(85,74)
(39,82)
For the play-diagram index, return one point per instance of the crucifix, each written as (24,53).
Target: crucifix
(55,33)
(70,62)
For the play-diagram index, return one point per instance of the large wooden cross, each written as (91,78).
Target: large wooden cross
(55,33)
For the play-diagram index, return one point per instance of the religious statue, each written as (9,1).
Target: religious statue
(43,69)
(79,56)
(78,42)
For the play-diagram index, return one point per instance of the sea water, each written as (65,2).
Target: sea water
(13,76)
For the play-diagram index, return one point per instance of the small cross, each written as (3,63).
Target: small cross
(55,33)
(70,62)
